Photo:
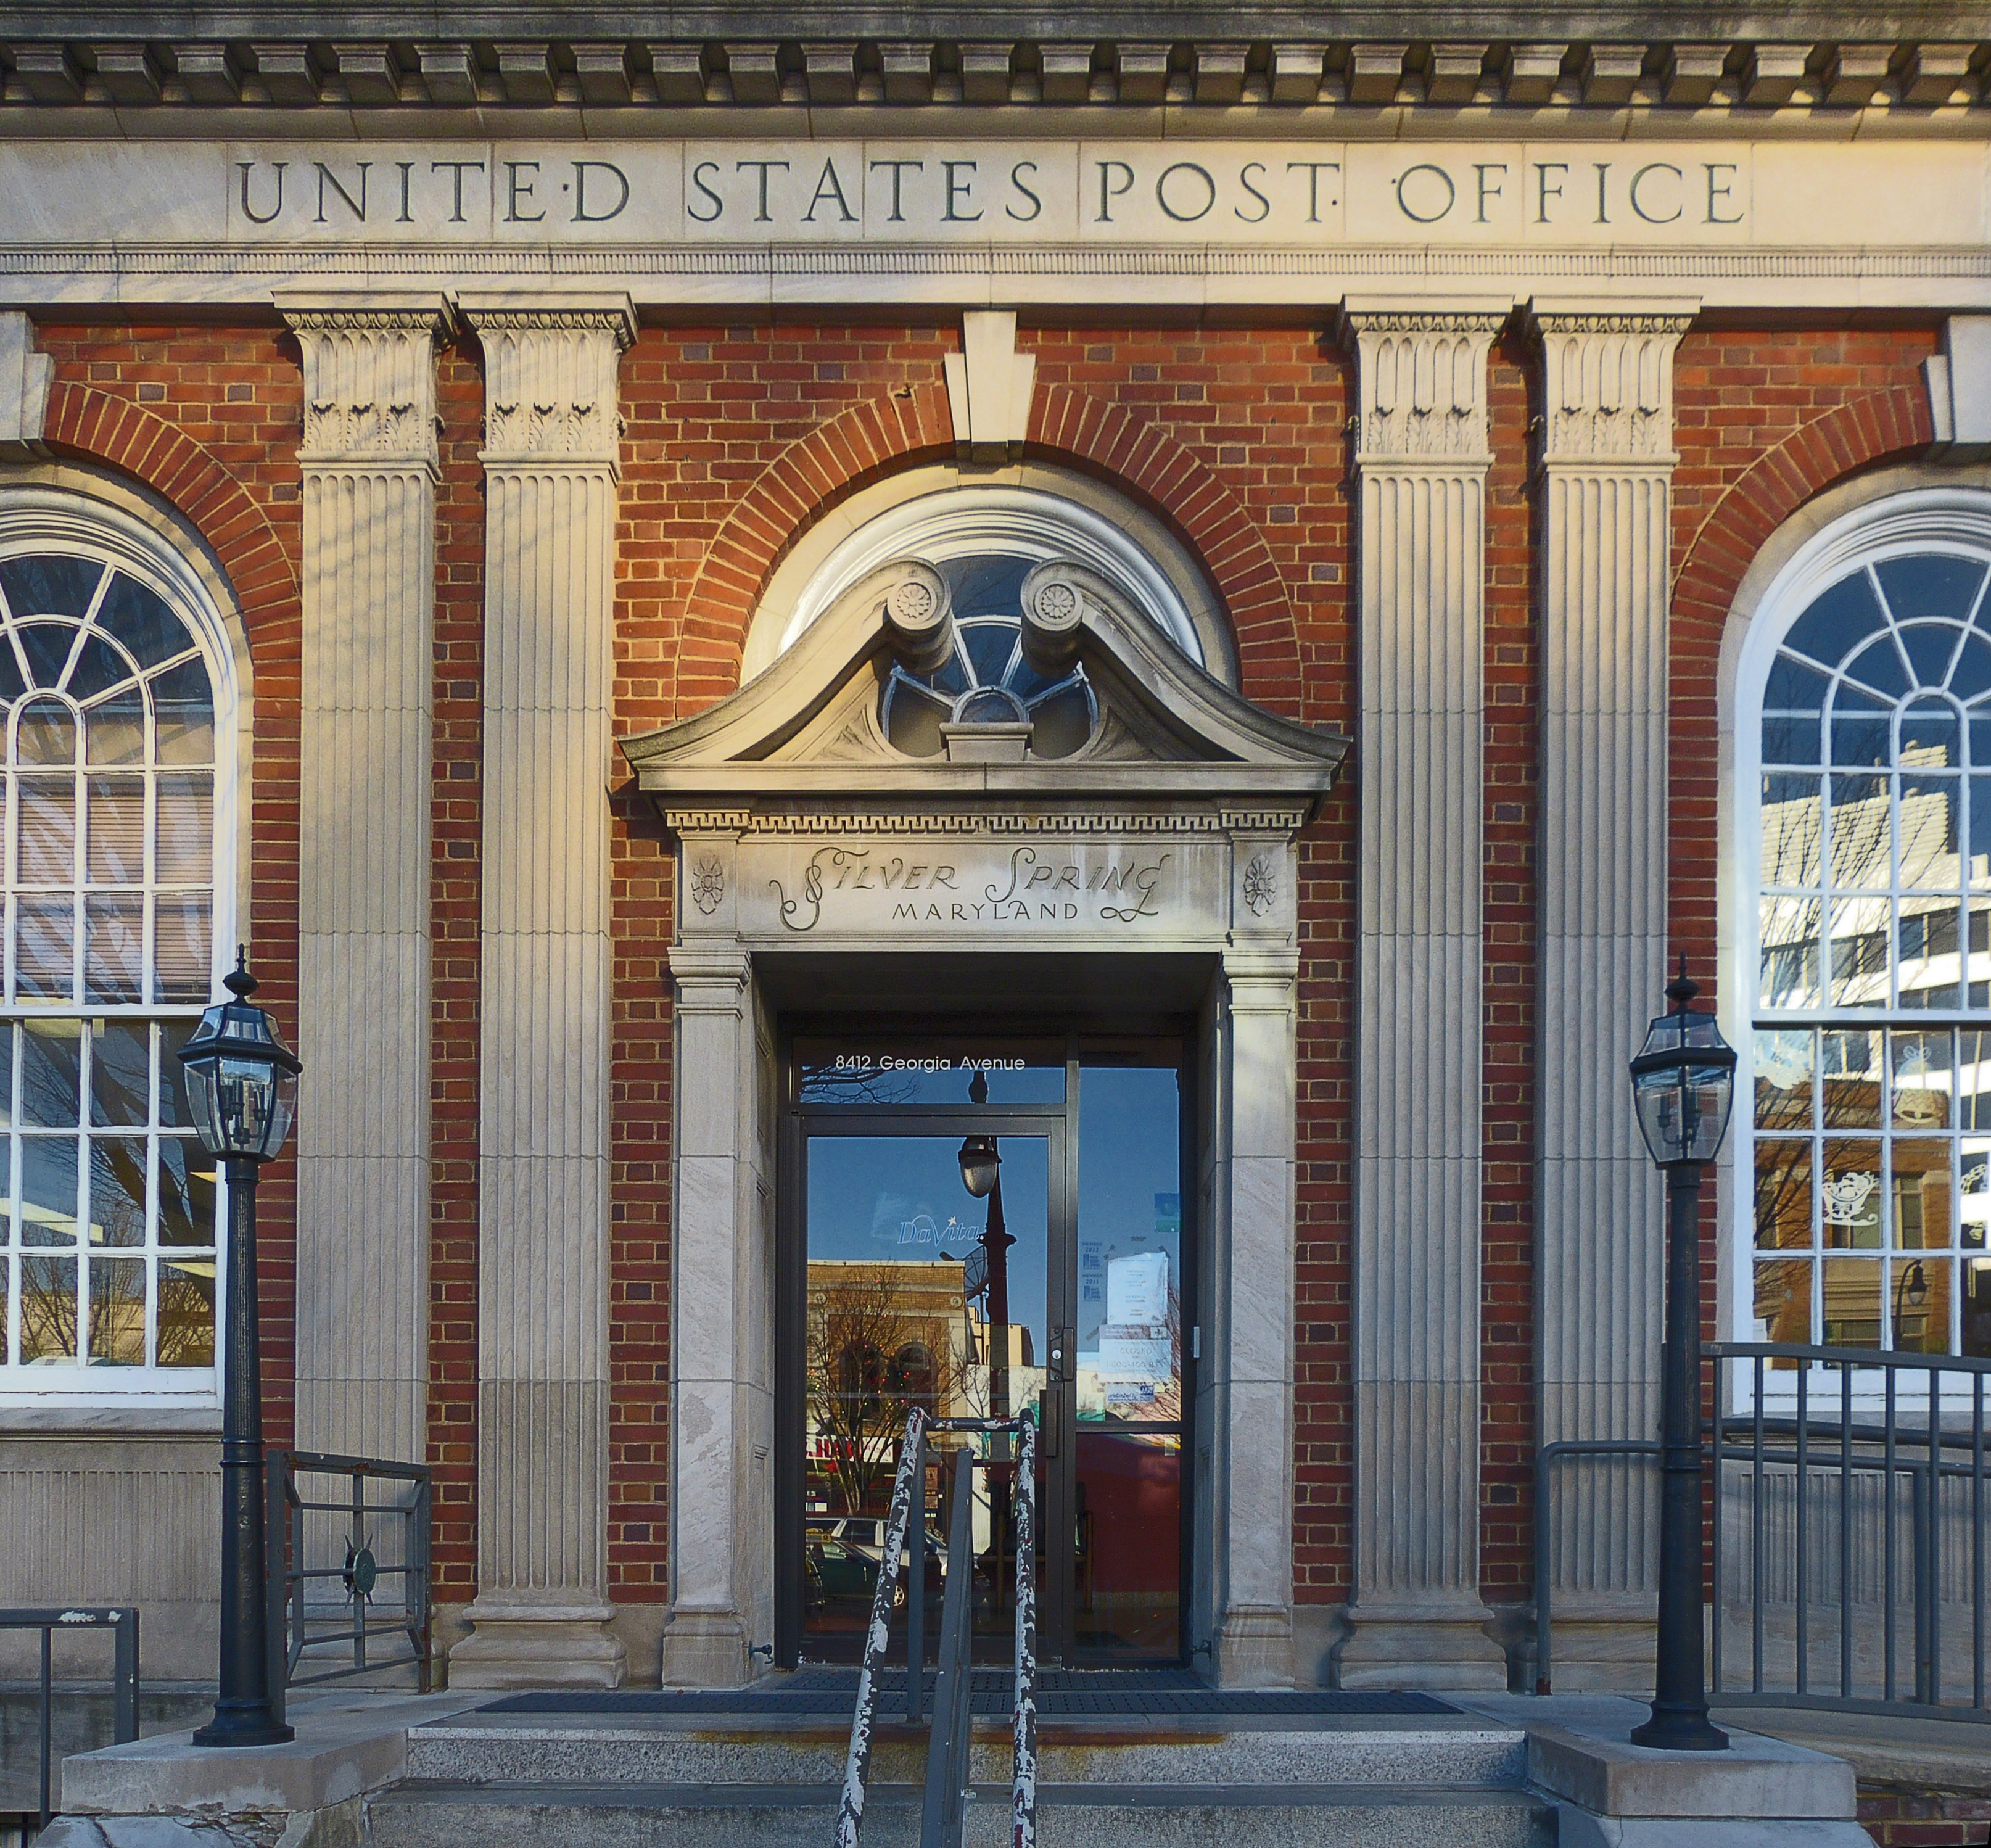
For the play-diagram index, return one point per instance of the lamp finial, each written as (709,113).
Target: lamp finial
(238,982)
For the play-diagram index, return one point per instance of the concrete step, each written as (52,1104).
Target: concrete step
(438,1814)
(707,1749)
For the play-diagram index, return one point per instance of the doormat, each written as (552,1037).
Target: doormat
(1062,1694)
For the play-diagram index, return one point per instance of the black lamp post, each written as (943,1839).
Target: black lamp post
(981,1175)
(242,1081)
(1683,1087)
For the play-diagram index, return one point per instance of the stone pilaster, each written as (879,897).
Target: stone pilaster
(542,1611)
(1607,467)
(369,465)
(1422,456)
(1253,1360)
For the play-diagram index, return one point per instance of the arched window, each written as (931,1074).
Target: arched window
(1871,1152)
(108,685)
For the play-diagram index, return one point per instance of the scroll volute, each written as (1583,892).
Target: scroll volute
(1054,599)
(917,612)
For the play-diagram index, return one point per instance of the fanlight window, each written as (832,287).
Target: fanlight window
(110,1210)
(985,678)
(1872,1147)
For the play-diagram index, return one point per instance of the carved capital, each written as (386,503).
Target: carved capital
(1422,381)
(1607,383)
(370,378)
(550,375)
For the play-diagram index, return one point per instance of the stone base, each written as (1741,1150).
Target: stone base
(1433,1645)
(1599,1654)
(514,1645)
(1254,1647)
(706,1649)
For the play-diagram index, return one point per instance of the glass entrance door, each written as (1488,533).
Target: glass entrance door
(986,1239)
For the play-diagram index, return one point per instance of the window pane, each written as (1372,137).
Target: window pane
(6,1090)
(1860,833)
(1849,1204)
(1783,1301)
(117,831)
(1783,1081)
(1851,1062)
(46,647)
(45,948)
(1791,807)
(1930,809)
(1783,1195)
(186,1192)
(1858,951)
(1919,1294)
(1926,936)
(186,831)
(1837,621)
(1789,740)
(117,1312)
(47,855)
(48,1310)
(174,1111)
(121,1074)
(115,730)
(1852,1303)
(1921,1194)
(1861,740)
(142,621)
(47,1190)
(117,1191)
(182,936)
(1930,584)
(1923,1080)
(1790,952)
(97,668)
(52,1074)
(114,954)
(1973,1080)
(186,1312)
(183,712)
(50,584)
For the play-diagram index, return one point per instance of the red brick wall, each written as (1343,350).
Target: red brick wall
(455,947)
(1763,422)
(208,418)
(1925,1818)
(1507,1120)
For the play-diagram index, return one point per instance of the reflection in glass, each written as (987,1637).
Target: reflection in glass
(117,1312)
(182,952)
(121,1073)
(1852,1303)
(1923,1080)
(1850,1194)
(47,1190)
(52,1074)
(186,1312)
(114,960)
(1783,1301)
(186,1192)
(1783,1195)
(1128,1599)
(45,948)
(48,1310)
(118,830)
(116,1190)
(1858,954)
(1784,1080)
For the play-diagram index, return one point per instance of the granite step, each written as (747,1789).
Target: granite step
(712,1749)
(437,1813)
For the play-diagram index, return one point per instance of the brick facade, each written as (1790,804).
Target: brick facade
(739,437)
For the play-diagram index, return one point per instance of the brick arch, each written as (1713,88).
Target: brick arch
(1880,427)
(96,427)
(885,434)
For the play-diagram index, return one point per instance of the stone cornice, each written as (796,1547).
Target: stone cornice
(261,55)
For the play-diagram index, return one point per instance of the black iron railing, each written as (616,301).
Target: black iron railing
(1849,1519)
(348,1567)
(947,1745)
(123,1623)
(1849,1524)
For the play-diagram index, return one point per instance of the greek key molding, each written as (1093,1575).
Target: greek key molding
(969,825)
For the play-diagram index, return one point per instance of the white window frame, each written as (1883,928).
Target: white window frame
(38,517)
(1955,519)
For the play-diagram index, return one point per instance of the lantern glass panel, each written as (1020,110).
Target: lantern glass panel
(1683,1085)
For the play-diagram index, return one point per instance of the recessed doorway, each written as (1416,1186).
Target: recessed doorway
(986,1227)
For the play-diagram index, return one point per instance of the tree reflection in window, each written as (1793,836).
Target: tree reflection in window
(111,868)
(1873,1084)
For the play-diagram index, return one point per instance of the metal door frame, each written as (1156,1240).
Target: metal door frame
(1059,1123)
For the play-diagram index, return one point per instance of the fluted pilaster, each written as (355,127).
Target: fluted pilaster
(1608,460)
(550,464)
(369,466)
(1422,456)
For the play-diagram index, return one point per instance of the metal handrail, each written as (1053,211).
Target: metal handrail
(124,1674)
(294,1628)
(948,1743)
